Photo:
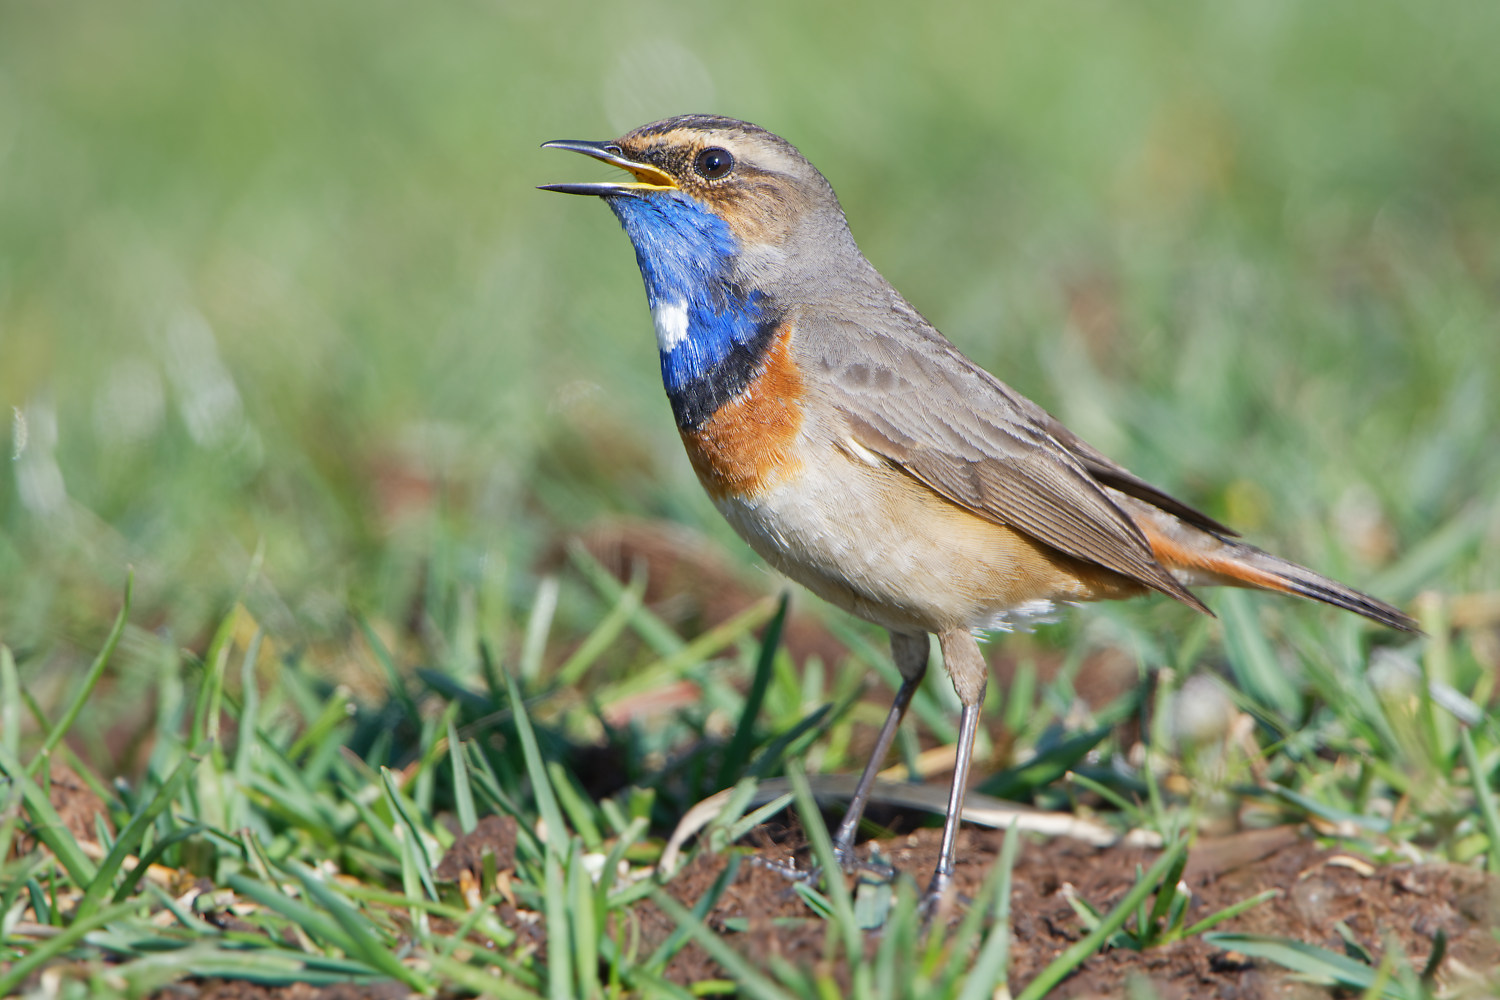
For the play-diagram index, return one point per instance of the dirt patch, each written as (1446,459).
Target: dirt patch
(494,836)
(76,805)
(1320,888)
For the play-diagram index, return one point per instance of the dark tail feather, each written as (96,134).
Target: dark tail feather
(1304,582)
(1207,558)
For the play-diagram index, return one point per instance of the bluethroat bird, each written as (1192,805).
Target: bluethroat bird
(858,452)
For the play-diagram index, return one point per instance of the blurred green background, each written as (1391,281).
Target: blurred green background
(279,301)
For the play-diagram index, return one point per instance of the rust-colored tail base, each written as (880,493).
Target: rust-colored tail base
(1216,560)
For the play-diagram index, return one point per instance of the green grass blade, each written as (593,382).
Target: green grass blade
(738,751)
(1132,811)
(538,626)
(1306,959)
(625,607)
(302,916)
(394,680)
(822,845)
(1045,768)
(365,945)
(326,725)
(652,630)
(1484,797)
(1164,898)
(536,770)
(205,724)
(895,972)
(90,679)
(794,740)
(627,839)
(263,966)
(961,942)
(21,968)
(131,837)
(1213,920)
(559,943)
(10,823)
(1255,665)
(10,703)
(479,981)
(463,794)
(704,647)
(1435,959)
(756,817)
(585,931)
(1375,824)
(133,877)
(487,784)
(576,803)
(414,891)
(186,918)
(247,747)
(1425,560)
(415,836)
(740,797)
(993,961)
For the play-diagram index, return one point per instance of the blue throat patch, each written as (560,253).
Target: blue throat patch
(712,334)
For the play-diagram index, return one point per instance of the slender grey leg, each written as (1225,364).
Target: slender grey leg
(910,654)
(966,667)
(968,725)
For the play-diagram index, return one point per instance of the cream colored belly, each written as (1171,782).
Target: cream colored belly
(879,544)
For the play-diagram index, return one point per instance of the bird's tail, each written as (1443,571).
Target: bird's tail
(1201,557)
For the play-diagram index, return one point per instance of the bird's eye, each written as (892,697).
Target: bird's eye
(713,163)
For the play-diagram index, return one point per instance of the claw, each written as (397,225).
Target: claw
(871,869)
(788,869)
(941,900)
(875,869)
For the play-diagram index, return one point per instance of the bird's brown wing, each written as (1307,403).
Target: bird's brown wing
(920,404)
(1113,474)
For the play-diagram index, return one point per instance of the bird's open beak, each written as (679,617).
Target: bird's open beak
(647,177)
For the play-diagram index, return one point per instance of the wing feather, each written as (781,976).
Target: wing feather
(952,426)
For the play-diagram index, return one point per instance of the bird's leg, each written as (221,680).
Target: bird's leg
(966,666)
(910,654)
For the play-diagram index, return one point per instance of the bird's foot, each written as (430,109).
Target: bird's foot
(942,900)
(872,869)
(788,869)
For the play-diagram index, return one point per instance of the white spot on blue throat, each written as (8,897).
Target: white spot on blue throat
(671,324)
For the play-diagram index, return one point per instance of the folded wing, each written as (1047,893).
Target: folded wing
(973,440)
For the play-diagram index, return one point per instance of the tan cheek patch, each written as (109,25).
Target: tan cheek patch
(755,214)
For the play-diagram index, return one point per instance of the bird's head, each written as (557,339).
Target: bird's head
(717,200)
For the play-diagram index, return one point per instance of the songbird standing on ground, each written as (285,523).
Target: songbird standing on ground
(858,452)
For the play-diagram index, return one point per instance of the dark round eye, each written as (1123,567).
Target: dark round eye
(713,163)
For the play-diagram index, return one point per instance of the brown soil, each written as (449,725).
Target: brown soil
(1319,889)
(76,804)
